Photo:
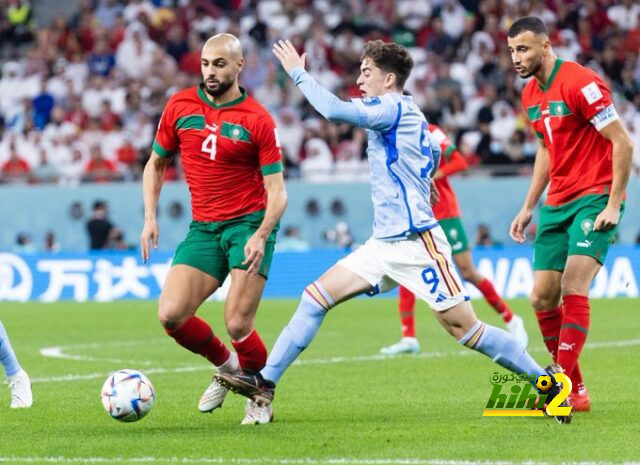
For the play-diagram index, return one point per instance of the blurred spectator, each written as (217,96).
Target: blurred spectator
(624,14)
(76,114)
(440,42)
(72,169)
(340,236)
(44,171)
(318,164)
(176,45)
(269,93)
(109,120)
(15,169)
(107,12)
(11,89)
(117,240)
(50,243)
(98,169)
(291,133)
(136,8)
(135,52)
(190,61)
(483,236)
(101,60)
(290,241)
(24,244)
(349,167)
(20,18)
(99,227)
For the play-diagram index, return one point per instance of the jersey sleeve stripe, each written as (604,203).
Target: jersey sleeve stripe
(450,149)
(191,122)
(272,168)
(534,113)
(160,150)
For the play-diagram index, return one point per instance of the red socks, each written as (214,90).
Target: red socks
(252,353)
(197,336)
(550,322)
(406,307)
(573,332)
(489,293)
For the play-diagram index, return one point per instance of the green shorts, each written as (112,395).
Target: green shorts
(568,230)
(216,247)
(456,236)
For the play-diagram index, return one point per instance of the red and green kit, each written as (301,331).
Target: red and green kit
(567,114)
(226,150)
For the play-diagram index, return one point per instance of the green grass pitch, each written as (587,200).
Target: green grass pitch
(342,404)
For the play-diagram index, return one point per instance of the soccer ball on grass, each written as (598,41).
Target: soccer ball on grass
(127,395)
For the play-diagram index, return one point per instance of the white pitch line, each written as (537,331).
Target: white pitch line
(57,352)
(287,461)
(320,361)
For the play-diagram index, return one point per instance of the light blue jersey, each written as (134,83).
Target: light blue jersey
(402,154)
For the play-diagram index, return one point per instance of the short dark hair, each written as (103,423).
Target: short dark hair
(528,23)
(391,58)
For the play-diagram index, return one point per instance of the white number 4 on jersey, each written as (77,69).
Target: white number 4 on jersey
(209,146)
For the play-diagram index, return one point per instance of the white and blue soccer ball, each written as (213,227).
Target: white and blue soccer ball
(127,395)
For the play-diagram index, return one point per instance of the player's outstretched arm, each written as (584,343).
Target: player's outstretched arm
(151,185)
(622,154)
(377,117)
(539,181)
(276,205)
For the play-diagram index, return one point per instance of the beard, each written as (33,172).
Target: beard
(222,88)
(533,69)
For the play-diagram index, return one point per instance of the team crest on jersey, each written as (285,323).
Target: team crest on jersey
(235,132)
(371,101)
(586,226)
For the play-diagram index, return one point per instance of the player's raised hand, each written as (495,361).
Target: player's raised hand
(254,253)
(607,219)
(288,55)
(518,225)
(150,232)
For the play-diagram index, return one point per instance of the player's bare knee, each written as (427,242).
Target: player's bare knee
(238,327)
(468,274)
(543,301)
(574,287)
(171,314)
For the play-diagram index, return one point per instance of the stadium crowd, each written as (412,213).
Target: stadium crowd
(80,97)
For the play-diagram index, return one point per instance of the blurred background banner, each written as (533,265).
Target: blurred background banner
(332,215)
(109,276)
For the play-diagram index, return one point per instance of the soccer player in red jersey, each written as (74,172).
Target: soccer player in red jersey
(585,155)
(233,167)
(448,213)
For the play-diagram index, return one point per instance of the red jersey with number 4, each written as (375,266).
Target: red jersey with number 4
(567,113)
(447,206)
(226,149)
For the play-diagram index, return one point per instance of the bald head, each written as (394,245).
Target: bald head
(223,44)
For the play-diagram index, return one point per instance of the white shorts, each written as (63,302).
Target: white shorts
(421,263)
